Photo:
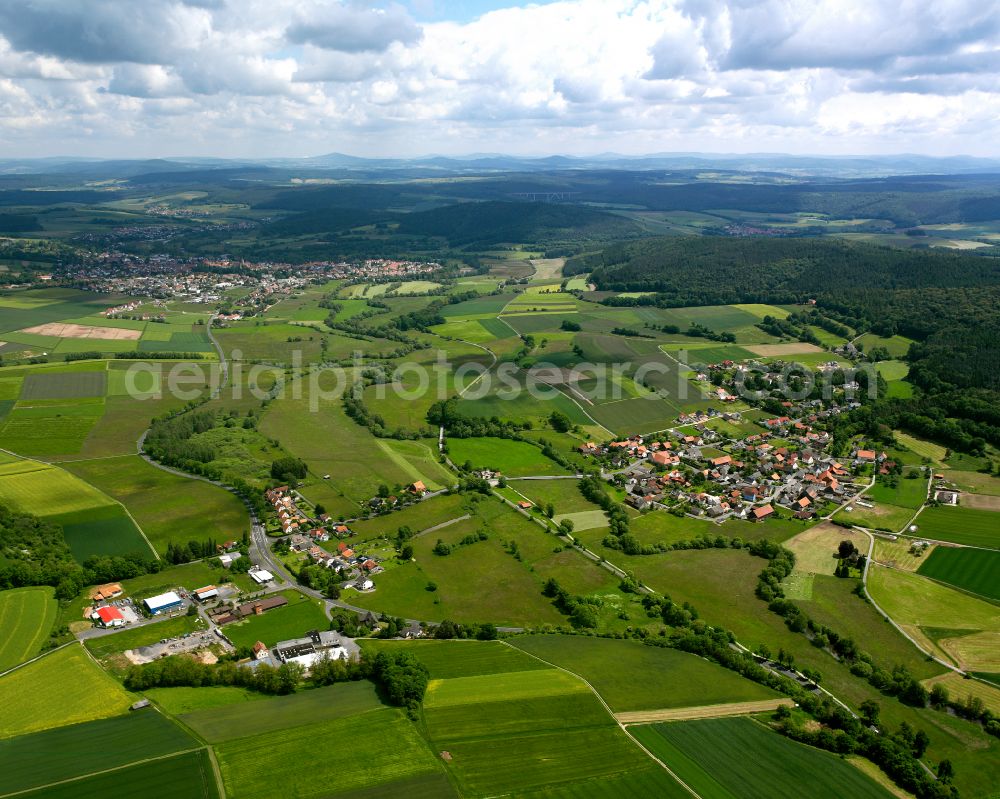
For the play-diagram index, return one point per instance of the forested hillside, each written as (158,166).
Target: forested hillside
(496,222)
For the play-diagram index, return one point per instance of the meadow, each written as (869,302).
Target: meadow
(510,458)
(167,507)
(909,492)
(974,528)
(514,598)
(262,715)
(384,748)
(293,620)
(925,449)
(701,754)
(331,443)
(26,618)
(630,675)
(974,570)
(42,758)
(418,516)
(64,687)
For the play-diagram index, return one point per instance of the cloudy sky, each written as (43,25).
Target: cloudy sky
(136,78)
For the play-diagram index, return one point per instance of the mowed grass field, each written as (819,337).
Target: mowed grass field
(703,754)
(42,758)
(167,507)
(975,570)
(630,675)
(963,628)
(26,618)
(976,528)
(379,748)
(64,687)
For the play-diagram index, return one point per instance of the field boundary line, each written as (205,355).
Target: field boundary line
(607,707)
(584,411)
(702,711)
(888,618)
(39,656)
(104,771)
(442,525)
(217,772)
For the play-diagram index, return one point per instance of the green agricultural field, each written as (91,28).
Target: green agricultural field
(632,676)
(26,618)
(49,430)
(45,490)
(167,507)
(42,758)
(974,528)
(461,658)
(64,687)
(263,715)
(490,766)
(975,570)
(384,747)
(925,449)
(651,781)
(962,627)
(510,686)
(511,458)
(180,700)
(64,385)
(189,774)
(523,406)
(103,530)
(701,754)
(291,621)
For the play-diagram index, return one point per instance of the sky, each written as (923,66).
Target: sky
(269,78)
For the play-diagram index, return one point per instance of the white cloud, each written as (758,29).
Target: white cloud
(254,77)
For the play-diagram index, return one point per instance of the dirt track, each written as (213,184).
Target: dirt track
(701,711)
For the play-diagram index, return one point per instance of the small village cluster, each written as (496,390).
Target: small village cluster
(305,535)
(697,470)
